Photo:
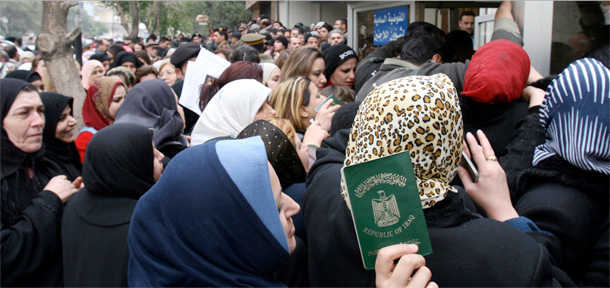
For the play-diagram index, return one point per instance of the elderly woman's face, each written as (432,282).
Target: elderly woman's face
(25,121)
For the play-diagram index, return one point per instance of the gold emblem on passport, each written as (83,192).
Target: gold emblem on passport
(385,210)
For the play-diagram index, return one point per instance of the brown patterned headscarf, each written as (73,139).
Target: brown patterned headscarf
(420,114)
(97,103)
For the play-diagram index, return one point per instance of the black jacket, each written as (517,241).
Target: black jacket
(468,250)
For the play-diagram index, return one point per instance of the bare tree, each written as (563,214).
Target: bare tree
(55,45)
(132,14)
(135,19)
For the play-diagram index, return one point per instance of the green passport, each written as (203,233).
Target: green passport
(383,198)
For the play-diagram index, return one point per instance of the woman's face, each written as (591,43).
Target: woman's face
(129,65)
(302,150)
(315,99)
(25,121)
(117,100)
(278,46)
(157,165)
(41,68)
(96,74)
(286,207)
(345,73)
(274,79)
(264,112)
(65,126)
(316,75)
(168,75)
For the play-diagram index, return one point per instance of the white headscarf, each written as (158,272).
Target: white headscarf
(267,69)
(230,110)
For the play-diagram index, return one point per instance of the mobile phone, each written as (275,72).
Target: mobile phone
(472,170)
(333,98)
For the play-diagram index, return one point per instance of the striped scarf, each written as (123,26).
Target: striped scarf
(575,114)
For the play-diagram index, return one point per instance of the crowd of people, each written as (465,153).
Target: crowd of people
(248,192)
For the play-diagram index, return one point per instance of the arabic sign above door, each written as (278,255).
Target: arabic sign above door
(390,24)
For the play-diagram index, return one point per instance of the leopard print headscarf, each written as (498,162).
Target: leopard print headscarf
(420,114)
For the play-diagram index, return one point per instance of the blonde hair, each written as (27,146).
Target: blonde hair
(286,126)
(300,62)
(288,97)
(165,63)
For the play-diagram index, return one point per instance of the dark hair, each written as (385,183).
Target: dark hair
(601,54)
(141,45)
(152,36)
(237,70)
(115,48)
(343,21)
(144,55)
(423,43)
(327,26)
(11,50)
(244,53)
(163,39)
(146,70)
(466,13)
(301,31)
(461,43)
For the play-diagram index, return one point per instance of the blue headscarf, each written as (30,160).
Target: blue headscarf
(576,114)
(211,220)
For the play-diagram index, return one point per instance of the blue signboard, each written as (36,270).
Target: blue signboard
(390,24)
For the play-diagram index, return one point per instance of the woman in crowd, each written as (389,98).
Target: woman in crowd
(28,76)
(307,61)
(113,50)
(128,78)
(425,121)
(143,57)
(566,190)
(39,67)
(121,164)
(32,194)
(251,217)
(127,60)
(236,71)
(296,99)
(146,72)
(58,135)
(167,73)
(343,93)
(271,75)
(341,62)
(234,107)
(100,108)
(92,70)
(154,105)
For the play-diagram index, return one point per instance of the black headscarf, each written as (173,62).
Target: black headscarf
(153,105)
(28,76)
(65,155)
(119,161)
(123,57)
(280,152)
(13,158)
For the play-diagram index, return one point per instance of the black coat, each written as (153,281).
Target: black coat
(95,230)
(117,171)
(468,250)
(572,204)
